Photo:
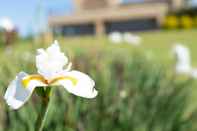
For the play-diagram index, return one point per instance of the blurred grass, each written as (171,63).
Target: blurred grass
(156,45)
(112,66)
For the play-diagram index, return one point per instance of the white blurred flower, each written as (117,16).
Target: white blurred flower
(116,37)
(50,63)
(6,24)
(132,39)
(183,64)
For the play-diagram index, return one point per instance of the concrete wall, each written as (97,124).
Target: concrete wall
(90,4)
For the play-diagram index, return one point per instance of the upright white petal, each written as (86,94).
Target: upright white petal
(50,61)
(16,94)
(79,84)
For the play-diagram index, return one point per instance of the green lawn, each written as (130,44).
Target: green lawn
(157,44)
(161,42)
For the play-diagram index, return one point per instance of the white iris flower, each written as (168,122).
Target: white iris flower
(50,64)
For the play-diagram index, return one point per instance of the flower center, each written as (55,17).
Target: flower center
(40,78)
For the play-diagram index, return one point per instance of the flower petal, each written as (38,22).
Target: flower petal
(16,94)
(78,84)
(50,61)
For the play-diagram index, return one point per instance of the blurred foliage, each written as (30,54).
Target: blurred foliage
(186,22)
(180,22)
(184,19)
(186,11)
(8,37)
(1,37)
(195,21)
(171,22)
(135,93)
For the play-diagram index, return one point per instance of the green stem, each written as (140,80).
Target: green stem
(42,114)
(44,95)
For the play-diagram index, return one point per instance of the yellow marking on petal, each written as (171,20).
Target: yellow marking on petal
(72,79)
(40,78)
(27,79)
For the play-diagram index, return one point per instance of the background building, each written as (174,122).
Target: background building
(104,16)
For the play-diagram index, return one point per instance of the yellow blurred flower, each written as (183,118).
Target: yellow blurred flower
(171,22)
(186,22)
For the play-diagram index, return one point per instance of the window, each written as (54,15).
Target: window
(132,1)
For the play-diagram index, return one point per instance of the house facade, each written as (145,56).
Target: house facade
(100,17)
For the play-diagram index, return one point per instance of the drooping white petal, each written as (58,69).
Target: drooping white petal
(16,94)
(78,84)
(50,61)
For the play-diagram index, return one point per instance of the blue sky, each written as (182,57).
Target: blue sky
(25,13)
